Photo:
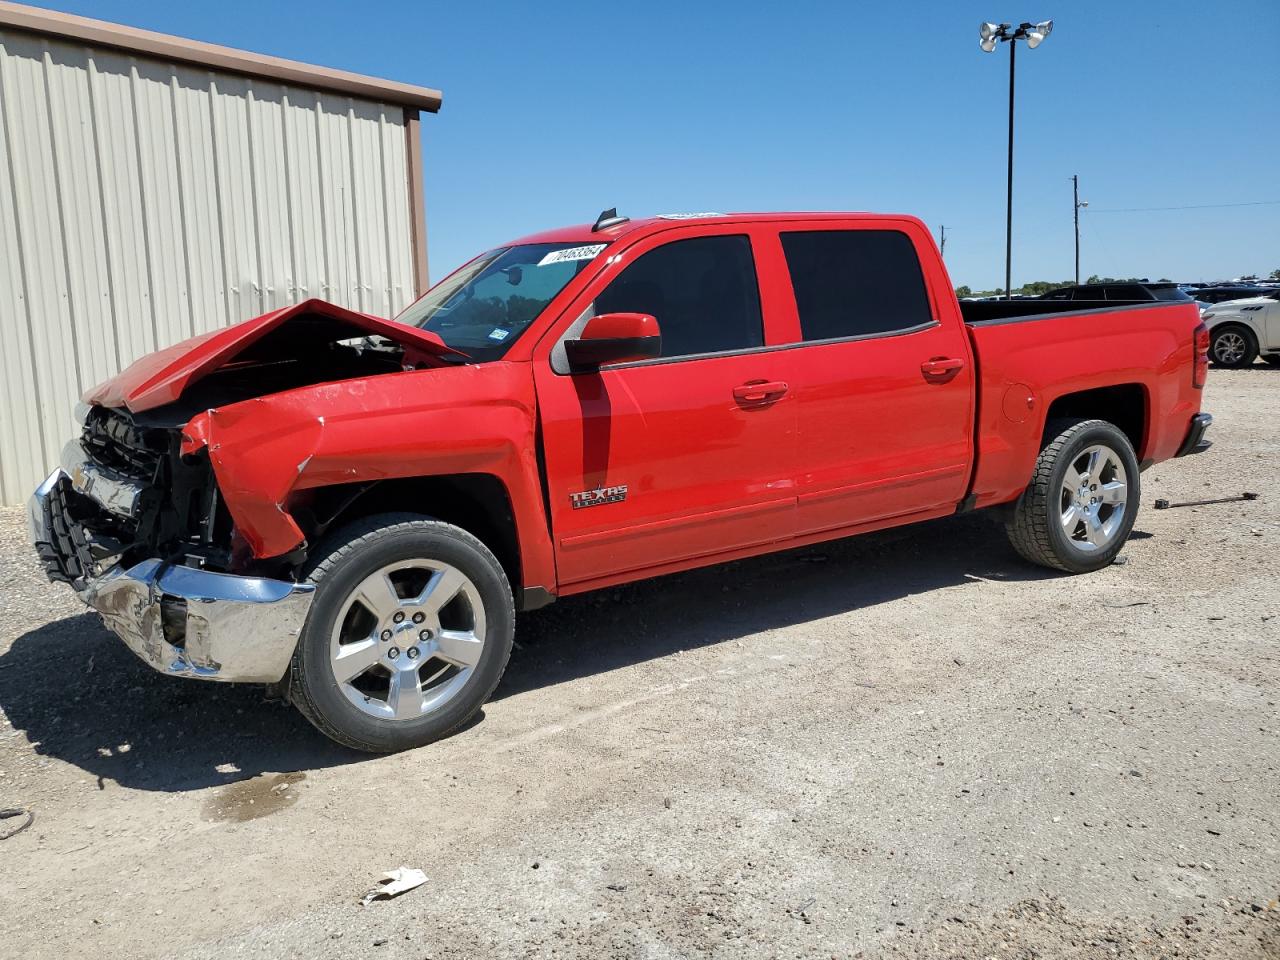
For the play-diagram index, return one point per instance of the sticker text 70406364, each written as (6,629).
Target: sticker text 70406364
(587,252)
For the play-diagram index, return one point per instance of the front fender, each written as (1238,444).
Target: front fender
(466,419)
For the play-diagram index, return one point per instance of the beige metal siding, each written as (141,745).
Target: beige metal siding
(144,202)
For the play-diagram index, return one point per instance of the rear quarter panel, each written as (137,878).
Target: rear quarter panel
(1025,364)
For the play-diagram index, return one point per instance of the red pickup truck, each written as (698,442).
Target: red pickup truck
(353,509)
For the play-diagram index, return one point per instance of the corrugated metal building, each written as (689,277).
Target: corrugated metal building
(153,188)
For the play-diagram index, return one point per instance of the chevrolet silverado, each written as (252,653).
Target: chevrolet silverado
(352,509)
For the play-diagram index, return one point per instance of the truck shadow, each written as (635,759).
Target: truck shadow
(598,632)
(105,712)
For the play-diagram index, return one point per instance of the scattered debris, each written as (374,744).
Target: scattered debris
(1135,603)
(616,887)
(666,802)
(9,813)
(1163,504)
(806,905)
(1120,560)
(393,883)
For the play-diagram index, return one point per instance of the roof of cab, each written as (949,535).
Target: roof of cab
(583,233)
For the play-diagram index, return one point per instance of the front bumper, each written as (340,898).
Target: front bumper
(1195,441)
(185,621)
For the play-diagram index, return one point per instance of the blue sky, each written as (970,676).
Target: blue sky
(553,111)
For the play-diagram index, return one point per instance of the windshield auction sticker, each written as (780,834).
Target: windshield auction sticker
(572,253)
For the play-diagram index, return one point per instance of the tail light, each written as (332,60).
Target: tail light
(1200,370)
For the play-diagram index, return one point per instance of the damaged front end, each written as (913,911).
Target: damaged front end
(134,518)
(140,533)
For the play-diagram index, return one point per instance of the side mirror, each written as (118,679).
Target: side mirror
(614,338)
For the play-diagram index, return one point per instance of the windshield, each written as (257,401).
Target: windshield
(483,308)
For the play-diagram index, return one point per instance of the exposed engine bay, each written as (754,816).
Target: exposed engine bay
(130,492)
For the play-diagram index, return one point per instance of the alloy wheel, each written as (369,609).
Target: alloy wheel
(1229,347)
(1094,497)
(407,639)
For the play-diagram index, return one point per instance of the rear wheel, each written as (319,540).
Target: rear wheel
(408,636)
(1233,346)
(1079,508)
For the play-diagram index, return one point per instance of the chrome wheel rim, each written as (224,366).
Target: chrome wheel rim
(1228,347)
(1094,499)
(407,639)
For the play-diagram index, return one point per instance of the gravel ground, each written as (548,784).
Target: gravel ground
(905,745)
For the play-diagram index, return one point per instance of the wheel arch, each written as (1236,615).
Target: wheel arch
(478,503)
(1127,405)
(1245,324)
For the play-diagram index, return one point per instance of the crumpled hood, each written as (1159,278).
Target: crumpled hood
(161,377)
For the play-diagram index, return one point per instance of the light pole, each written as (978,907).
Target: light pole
(991,34)
(1075,191)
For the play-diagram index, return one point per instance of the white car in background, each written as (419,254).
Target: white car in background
(1241,330)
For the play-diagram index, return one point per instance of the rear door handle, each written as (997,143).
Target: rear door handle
(941,368)
(760,391)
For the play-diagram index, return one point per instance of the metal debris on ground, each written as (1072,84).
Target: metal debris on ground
(9,813)
(1163,504)
(393,883)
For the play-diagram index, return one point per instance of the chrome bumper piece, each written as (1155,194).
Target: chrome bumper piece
(190,622)
(112,491)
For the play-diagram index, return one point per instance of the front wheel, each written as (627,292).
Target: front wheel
(1233,346)
(409,633)
(1079,508)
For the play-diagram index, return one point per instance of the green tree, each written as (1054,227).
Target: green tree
(963,291)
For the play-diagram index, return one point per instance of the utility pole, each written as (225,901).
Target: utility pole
(1076,205)
(943,243)
(1075,209)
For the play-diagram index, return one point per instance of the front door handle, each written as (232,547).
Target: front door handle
(760,391)
(941,368)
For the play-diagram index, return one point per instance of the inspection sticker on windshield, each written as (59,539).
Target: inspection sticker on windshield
(572,253)
(499,334)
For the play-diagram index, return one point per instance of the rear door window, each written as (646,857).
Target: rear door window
(854,283)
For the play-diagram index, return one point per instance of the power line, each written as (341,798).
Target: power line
(1193,206)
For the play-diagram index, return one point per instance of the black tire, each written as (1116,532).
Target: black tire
(1226,339)
(1035,525)
(342,563)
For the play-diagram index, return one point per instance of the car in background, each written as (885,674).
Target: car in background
(1241,330)
(1224,293)
(1120,292)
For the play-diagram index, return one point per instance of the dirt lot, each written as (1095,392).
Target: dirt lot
(910,744)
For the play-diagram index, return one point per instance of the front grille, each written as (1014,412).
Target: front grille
(176,512)
(75,550)
(113,440)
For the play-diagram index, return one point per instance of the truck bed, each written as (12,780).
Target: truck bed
(1134,358)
